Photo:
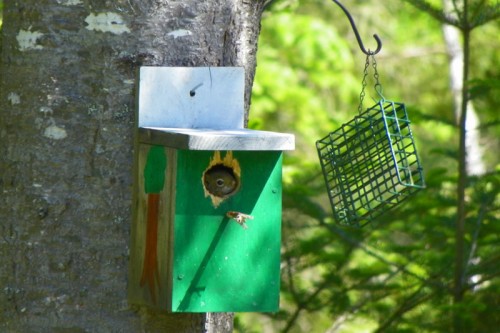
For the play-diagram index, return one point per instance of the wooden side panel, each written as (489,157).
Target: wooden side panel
(150,252)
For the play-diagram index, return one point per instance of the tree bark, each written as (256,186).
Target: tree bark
(68,73)
(474,159)
(459,73)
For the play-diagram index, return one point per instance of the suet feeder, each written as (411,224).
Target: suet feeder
(370,164)
(207,196)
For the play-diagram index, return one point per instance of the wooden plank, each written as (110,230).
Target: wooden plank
(210,139)
(191,97)
(166,232)
(137,294)
(160,293)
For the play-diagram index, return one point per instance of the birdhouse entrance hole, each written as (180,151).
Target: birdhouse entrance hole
(221,179)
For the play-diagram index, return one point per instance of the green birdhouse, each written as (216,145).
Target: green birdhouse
(207,196)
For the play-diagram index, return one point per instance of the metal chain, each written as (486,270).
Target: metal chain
(363,84)
(378,85)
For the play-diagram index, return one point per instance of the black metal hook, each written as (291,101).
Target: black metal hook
(360,42)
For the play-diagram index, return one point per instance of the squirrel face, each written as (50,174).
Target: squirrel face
(220,181)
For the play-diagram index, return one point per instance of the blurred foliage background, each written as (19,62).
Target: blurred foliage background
(397,275)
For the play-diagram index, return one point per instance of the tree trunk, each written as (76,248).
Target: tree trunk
(459,74)
(68,73)
(474,158)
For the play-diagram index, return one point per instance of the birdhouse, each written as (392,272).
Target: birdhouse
(207,196)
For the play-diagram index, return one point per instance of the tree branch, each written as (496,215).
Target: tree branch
(302,305)
(403,269)
(410,303)
(435,12)
(475,237)
(353,309)
(484,13)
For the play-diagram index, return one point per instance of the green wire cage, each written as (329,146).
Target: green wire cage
(370,164)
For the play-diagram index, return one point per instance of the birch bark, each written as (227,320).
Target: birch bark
(475,164)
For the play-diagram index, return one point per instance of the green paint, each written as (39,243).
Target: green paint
(154,171)
(218,265)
